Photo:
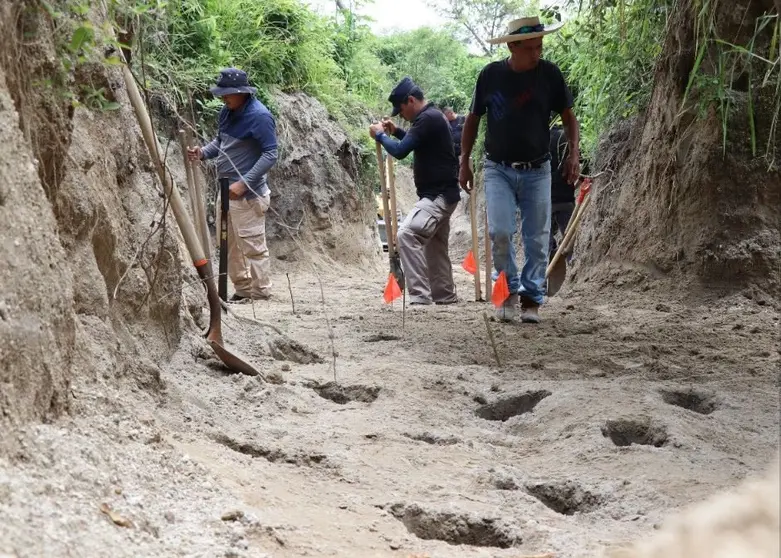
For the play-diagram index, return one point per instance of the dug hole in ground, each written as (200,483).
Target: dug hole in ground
(644,391)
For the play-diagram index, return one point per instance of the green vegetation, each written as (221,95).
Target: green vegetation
(608,51)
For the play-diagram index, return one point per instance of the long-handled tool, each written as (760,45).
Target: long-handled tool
(475,239)
(556,272)
(202,265)
(224,207)
(488,262)
(393,254)
(196,196)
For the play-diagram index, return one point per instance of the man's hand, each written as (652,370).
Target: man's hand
(236,190)
(375,129)
(465,176)
(194,153)
(388,126)
(572,168)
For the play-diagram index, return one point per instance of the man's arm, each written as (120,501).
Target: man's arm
(264,131)
(469,135)
(211,149)
(572,129)
(398,149)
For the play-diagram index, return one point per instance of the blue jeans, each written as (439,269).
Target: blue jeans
(508,189)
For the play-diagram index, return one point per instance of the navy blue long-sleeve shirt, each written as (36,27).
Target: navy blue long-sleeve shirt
(435,168)
(245,146)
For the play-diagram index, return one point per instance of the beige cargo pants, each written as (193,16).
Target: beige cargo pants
(249,263)
(423,248)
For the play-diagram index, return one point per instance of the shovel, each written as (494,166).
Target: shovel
(556,272)
(202,265)
(390,219)
(475,238)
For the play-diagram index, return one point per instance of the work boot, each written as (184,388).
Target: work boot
(506,312)
(529,311)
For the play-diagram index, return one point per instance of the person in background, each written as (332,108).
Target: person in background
(562,192)
(456,127)
(423,237)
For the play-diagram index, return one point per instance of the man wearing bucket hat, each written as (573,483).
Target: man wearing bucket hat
(518,95)
(245,149)
(424,235)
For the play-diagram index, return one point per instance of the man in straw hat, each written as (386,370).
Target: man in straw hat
(518,95)
(245,149)
(424,235)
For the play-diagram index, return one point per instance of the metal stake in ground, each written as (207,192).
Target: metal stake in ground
(491,338)
(224,206)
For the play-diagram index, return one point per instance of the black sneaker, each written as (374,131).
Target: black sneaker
(238,299)
(529,311)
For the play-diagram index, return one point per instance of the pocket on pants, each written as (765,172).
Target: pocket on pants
(260,204)
(246,221)
(421,222)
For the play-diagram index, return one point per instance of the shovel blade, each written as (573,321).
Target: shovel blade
(557,276)
(232,361)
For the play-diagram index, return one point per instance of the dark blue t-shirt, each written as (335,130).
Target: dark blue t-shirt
(456,129)
(435,168)
(561,192)
(519,105)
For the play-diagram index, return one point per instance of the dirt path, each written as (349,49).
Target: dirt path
(423,446)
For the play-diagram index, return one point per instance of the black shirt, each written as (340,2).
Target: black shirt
(561,192)
(519,106)
(435,168)
(456,129)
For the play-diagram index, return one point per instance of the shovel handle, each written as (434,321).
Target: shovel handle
(571,230)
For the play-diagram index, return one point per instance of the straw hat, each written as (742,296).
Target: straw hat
(523,29)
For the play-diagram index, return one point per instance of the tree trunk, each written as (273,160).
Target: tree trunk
(678,203)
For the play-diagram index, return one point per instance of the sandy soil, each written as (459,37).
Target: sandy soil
(596,425)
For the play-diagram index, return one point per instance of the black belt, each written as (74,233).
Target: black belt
(524,165)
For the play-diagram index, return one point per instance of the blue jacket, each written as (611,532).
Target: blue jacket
(245,146)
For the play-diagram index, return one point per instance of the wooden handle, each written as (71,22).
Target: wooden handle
(188,171)
(391,177)
(171,192)
(385,208)
(488,262)
(572,228)
(475,242)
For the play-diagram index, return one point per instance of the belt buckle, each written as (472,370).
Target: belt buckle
(520,166)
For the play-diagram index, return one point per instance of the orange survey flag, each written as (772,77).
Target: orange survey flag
(469,264)
(501,290)
(392,290)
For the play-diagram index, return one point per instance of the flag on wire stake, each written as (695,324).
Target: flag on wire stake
(501,290)
(469,264)
(392,290)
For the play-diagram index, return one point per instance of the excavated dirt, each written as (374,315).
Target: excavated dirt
(391,459)
(375,433)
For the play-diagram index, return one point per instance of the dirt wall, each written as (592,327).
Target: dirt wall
(90,282)
(677,205)
(320,201)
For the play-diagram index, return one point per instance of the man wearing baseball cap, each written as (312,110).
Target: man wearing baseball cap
(245,150)
(518,95)
(424,235)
